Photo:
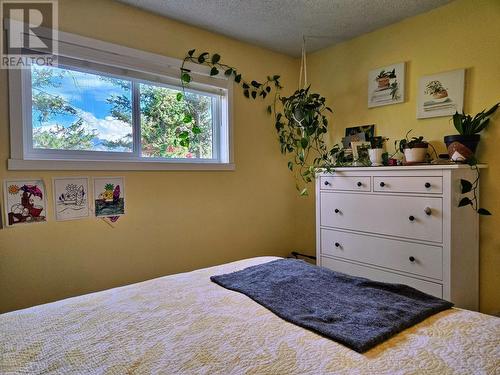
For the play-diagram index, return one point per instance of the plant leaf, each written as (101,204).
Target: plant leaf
(290,165)
(237,78)
(214,71)
(483,211)
(228,72)
(464,202)
(254,94)
(191,51)
(269,109)
(201,58)
(179,96)
(215,58)
(187,118)
(185,77)
(246,93)
(466,186)
(184,135)
(196,130)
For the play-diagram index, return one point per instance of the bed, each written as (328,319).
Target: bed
(185,324)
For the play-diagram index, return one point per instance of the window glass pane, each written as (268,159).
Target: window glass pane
(72,110)
(162,122)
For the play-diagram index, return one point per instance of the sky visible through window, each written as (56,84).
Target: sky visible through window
(74,110)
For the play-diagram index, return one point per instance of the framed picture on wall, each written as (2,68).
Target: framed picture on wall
(441,94)
(386,85)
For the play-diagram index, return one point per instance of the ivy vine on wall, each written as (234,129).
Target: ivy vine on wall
(300,119)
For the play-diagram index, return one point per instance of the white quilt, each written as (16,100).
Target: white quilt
(185,324)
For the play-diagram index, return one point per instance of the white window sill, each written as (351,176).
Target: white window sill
(112,165)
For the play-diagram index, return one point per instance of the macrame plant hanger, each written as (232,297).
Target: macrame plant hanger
(303,64)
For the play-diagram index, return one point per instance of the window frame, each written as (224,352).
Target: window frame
(97,57)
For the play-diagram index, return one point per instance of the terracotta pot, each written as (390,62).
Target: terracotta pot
(383,82)
(440,95)
(461,147)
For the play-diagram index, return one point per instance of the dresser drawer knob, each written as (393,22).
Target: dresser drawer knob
(382,184)
(359,184)
(337,210)
(411,218)
(412,259)
(427,185)
(337,244)
(428,211)
(327,183)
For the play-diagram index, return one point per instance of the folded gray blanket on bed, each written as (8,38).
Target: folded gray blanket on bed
(353,311)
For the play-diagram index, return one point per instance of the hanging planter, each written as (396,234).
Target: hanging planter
(299,119)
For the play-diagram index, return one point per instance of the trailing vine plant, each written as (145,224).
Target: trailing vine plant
(300,119)
(467,186)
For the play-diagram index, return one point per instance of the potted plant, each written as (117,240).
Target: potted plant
(436,90)
(414,149)
(376,151)
(462,146)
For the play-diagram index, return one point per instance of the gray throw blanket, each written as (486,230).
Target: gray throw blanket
(353,311)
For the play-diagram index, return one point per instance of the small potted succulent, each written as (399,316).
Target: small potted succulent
(462,146)
(414,149)
(376,151)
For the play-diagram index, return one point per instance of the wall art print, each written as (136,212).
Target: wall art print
(386,85)
(109,196)
(24,202)
(71,198)
(441,94)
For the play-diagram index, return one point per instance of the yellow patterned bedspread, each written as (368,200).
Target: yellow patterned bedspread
(185,324)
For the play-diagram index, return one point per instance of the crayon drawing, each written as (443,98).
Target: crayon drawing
(24,202)
(109,196)
(71,198)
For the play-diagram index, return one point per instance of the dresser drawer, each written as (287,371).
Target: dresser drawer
(346,183)
(392,215)
(428,287)
(428,185)
(419,259)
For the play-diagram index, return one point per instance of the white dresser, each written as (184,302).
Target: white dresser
(401,225)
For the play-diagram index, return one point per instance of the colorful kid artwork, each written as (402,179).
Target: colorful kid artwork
(109,196)
(71,198)
(24,202)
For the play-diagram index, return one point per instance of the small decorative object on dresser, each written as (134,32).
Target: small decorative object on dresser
(401,225)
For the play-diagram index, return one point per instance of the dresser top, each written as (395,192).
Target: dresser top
(410,167)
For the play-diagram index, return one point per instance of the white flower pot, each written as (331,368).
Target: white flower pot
(415,155)
(375,155)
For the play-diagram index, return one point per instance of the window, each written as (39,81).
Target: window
(104,113)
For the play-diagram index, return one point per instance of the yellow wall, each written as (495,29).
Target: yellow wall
(462,34)
(175,221)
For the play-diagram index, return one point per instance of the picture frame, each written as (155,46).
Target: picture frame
(360,151)
(386,85)
(441,94)
(71,198)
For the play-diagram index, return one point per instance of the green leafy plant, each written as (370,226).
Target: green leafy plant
(434,87)
(378,142)
(471,187)
(406,142)
(468,125)
(388,74)
(299,119)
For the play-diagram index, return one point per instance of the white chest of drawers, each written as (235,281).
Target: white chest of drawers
(401,225)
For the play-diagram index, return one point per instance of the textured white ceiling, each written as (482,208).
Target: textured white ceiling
(280,24)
